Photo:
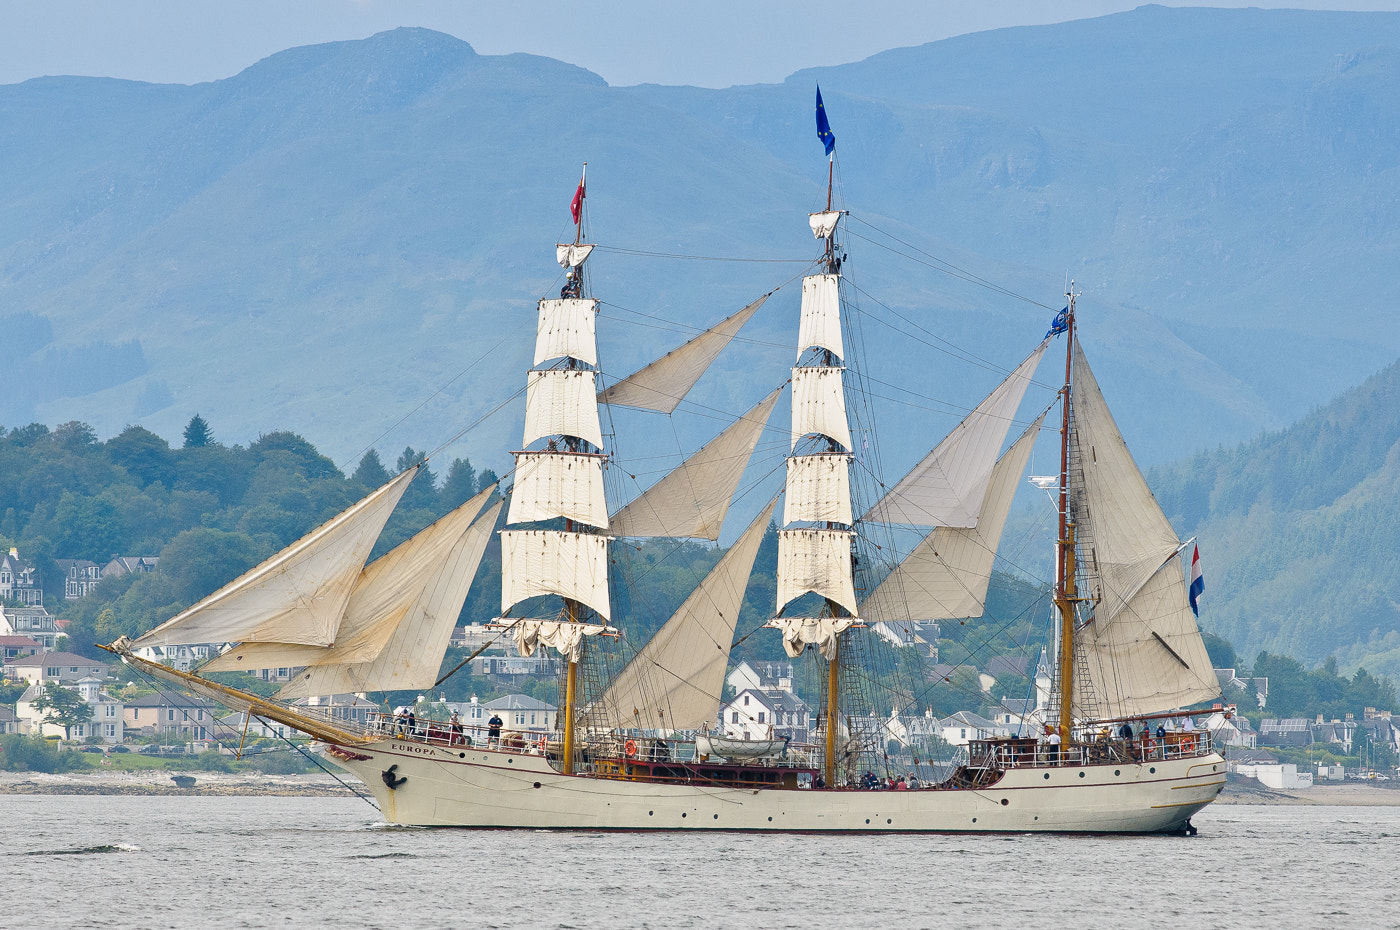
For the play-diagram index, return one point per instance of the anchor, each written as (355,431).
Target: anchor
(392,780)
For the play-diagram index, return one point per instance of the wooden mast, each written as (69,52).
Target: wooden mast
(571,605)
(833,670)
(1065,593)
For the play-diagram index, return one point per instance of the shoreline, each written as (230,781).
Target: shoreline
(156,783)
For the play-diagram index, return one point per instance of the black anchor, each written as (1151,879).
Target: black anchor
(392,780)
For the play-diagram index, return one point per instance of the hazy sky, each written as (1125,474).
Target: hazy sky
(711,43)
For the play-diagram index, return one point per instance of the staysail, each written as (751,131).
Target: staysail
(676,680)
(663,384)
(412,655)
(386,593)
(298,595)
(1140,644)
(692,499)
(946,575)
(948,486)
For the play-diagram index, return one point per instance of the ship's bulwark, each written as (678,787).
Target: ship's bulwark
(466,787)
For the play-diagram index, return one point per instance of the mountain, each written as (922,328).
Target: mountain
(342,233)
(1300,531)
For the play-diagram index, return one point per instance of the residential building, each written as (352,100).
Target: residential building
(17,581)
(521,712)
(350,708)
(1289,731)
(106,722)
(1227,727)
(79,577)
(1242,690)
(10,722)
(124,564)
(776,713)
(965,726)
(477,635)
(35,622)
(180,658)
(189,718)
(65,667)
(1281,776)
(760,676)
(919,635)
(256,727)
(509,668)
(13,647)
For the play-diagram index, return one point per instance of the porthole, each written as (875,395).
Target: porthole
(1153,770)
(1005,802)
(716,816)
(974,819)
(461,755)
(650,813)
(1117,772)
(867,820)
(770,819)
(537,784)
(682,816)
(509,761)
(1081,774)
(1047,776)
(889,821)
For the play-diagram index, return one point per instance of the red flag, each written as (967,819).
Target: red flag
(576,207)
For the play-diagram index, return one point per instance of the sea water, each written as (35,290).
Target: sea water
(220,863)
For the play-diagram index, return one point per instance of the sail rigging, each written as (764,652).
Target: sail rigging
(663,384)
(299,594)
(676,679)
(1138,639)
(692,500)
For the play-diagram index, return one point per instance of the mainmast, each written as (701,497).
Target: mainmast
(1065,594)
(563,479)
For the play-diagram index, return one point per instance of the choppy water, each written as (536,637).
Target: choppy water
(217,863)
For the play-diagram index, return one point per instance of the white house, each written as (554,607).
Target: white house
(919,635)
(180,658)
(758,714)
(106,722)
(1228,728)
(65,667)
(17,582)
(172,714)
(964,726)
(760,676)
(1283,776)
(10,722)
(34,622)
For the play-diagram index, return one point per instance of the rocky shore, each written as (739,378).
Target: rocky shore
(1249,791)
(214,784)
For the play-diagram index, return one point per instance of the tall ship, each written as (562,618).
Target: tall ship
(638,743)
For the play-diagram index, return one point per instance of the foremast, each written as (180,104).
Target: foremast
(1066,595)
(814,547)
(561,479)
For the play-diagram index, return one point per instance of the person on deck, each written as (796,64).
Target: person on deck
(493,729)
(456,724)
(1052,745)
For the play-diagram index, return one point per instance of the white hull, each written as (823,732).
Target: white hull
(485,789)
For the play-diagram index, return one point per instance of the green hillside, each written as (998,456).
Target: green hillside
(1300,531)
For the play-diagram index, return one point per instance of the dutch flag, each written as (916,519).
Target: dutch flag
(1198,581)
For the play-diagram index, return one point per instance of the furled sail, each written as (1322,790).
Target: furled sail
(561,403)
(536,563)
(384,595)
(946,575)
(691,500)
(564,637)
(823,224)
(298,595)
(558,484)
(662,385)
(677,679)
(819,488)
(817,561)
(820,323)
(1142,646)
(571,255)
(567,328)
(801,632)
(411,656)
(819,405)
(947,487)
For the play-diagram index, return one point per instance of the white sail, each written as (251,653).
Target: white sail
(561,403)
(1139,626)
(383,597)
(535,563)
(1149,657)
(560,635)
(823,224)
(820,323)
(946,575)
(819,405)
(298,595)
(567,328)
(817,561)
(819,489)
(558,484)
(662,385)
(412,656)
(691,500)
(801,632)
(571,255)
(947,487)
(676,680)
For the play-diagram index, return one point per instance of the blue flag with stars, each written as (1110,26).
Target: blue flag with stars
(1059,324)
(824,132)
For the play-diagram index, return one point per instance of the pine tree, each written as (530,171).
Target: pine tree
(371,472)
(197,433)
(460,484)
